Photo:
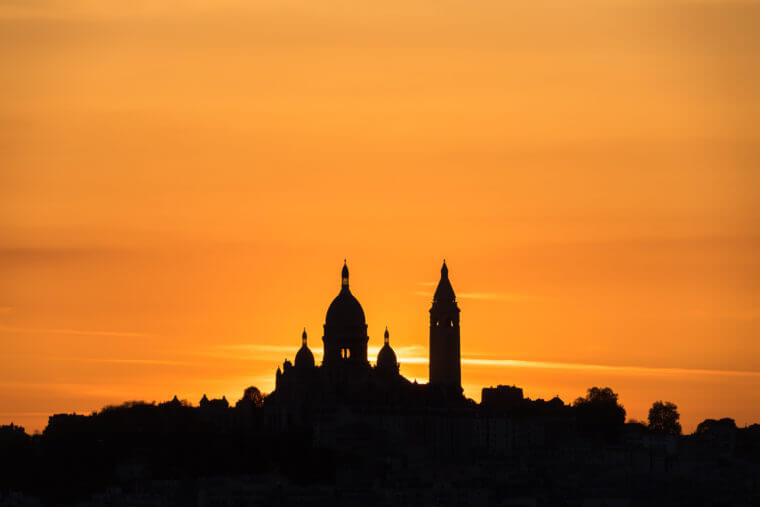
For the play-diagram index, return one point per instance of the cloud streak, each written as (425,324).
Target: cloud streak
(493,296)
(587,367)
(499,296)
(416,354)
(167,362)
(281,352)
(640,370)
(77,332)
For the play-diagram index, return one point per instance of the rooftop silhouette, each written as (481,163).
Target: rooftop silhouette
(349,432)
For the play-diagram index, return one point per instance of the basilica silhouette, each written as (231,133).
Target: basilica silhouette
(346,373)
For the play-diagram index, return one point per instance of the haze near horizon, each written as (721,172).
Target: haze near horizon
(180,182)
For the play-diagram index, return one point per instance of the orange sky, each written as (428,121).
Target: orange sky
(180,182)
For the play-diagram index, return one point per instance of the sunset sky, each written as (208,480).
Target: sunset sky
(181,181)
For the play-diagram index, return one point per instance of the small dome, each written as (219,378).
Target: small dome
(386,358)
(304,357)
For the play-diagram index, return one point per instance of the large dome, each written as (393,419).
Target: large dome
(345,335)
(345,310)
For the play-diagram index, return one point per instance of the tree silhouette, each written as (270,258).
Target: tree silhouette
(663,418)
(252,397)
(599,411)
(712,425)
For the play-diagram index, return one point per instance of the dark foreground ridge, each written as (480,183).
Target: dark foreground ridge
(346,432)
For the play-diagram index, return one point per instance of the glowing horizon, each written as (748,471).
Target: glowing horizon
(180,177)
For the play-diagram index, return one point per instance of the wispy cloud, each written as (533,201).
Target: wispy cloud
(258,347)
(86,390)
(417,354)
(645,370)
(251,351)
(167,362)
(548,365)
(494,296)
(409,351)
(22,414)
(500,296)
(78,332)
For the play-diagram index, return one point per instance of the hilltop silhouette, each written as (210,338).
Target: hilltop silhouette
(349,432)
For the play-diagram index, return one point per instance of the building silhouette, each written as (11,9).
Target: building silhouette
(445,362)
(346,373)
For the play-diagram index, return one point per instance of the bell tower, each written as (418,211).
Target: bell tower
(444,335)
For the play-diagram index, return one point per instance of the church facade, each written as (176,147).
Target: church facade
(346,373)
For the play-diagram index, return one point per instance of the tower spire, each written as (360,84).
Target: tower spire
(445,354)
(444,293)
(386,336)
(303,337)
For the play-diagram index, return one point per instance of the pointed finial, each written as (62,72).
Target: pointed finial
(303,337)
(444,270)
(386,335)
(344,274)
